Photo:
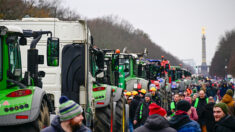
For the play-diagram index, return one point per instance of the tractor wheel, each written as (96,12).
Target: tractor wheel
(44,116)
(43,119)
(102,121)
(120,120)
(41,122)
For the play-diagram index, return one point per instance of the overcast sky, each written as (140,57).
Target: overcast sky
(175,25)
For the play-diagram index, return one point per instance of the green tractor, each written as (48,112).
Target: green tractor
(24,105)
(83,68)
(126,71)
(100,67)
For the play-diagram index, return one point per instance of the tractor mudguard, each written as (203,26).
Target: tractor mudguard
(117,94)
(106,101)
(131,81)
(32,114)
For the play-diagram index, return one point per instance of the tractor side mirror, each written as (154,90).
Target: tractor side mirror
(53,51)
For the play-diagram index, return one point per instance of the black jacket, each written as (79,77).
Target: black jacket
(157,99)
(155,123)
(141,118)
(56,127)
(208,117)
(200,108)
(226,124)
(133,106)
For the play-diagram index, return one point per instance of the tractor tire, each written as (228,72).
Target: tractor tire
(41,122)
(44,116)
(102,122)
(120,120)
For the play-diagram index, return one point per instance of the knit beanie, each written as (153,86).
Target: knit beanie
(229,92)
(183,105)
(156,109)
(148,95)
(223,106)
(68,109)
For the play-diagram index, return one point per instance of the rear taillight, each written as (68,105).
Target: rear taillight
(139,86)
(100,103)
(22,117)
(20,93)
(98,88)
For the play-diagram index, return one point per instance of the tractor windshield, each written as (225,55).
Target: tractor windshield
(14,56)
(126,65)
(1,64)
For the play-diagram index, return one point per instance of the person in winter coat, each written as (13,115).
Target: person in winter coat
(133,106)
(155,96)
(228,100)
(222,90)
(142,112)
(193,112)
(224,122)
(208,116)
(181,121)
(142,93)
(200,104)
(156,121)
(173,104)
(210,91)
(231,86)
(69,119)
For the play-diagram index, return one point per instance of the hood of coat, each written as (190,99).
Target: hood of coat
(178,121)
(156,122)
(56,124)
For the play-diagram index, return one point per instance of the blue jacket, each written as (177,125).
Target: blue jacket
(56,127)
(192,126)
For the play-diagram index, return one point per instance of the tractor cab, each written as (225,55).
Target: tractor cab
(10,59)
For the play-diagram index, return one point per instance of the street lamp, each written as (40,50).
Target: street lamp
(225,69)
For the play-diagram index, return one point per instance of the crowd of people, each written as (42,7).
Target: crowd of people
(208,107)
(204,107)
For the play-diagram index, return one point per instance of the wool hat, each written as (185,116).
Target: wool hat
(183,105)
(68,109)
(156,109)
(223,106)
(148,95)
(229,92)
